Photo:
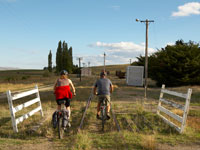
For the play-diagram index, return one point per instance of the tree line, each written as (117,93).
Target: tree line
(64,58)
(174,65)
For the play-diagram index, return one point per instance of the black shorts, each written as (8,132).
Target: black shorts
(66,100)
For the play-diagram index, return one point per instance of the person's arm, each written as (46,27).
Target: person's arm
(54,88)
(72,86)
(95,90)
(111,87)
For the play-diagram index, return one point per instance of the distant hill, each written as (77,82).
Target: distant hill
(8,68)
(111,68)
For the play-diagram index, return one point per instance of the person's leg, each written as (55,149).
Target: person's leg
(58,105)
(69,111)
(108,108)
(98,107)
(67,104)
(108,105)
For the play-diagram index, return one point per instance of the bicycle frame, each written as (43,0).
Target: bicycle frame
(60,121)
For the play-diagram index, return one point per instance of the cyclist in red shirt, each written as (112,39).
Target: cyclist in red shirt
(62,91)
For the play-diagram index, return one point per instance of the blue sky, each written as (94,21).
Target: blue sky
(30,28)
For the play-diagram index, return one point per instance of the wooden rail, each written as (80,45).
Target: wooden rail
(87,106)
(115,119)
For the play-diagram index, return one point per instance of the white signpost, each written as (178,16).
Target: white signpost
(86,72)
(134,75)
(14,110)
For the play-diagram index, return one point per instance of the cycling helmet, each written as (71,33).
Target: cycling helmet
(103,73)
(63,72)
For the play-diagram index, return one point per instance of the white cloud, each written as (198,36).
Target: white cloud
(170,44)
(95,60)
(122,47)
(192,8)
(117,53)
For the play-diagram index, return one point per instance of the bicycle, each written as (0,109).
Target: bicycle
(103,108)
(62,119)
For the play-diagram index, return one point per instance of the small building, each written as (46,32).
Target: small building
(86,71)
(134,75)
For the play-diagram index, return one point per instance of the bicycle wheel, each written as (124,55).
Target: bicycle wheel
(60,128)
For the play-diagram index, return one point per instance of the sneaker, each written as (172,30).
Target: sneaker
(98,116)
(108,117)
(69,124)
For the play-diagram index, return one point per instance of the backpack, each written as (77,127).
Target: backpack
(54,119)
(65,119)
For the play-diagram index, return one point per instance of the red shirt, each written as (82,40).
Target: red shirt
(63,92)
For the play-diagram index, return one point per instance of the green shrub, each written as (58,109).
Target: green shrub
(11,79)
(46,73)
(175,65)
(25,77)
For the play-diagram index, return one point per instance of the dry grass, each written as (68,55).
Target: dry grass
(177,111)
(126,103)
(194,122)
(16,87)
(148,142)
(82,142)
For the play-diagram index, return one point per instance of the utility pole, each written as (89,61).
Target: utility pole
(147,22)
(88,64)
(79,59)
(104,61)
(130,61)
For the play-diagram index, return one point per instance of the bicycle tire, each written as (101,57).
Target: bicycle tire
(60,128)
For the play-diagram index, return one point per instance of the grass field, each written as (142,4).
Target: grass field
(140,127)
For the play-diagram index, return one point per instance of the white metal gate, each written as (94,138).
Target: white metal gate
(185,109)
(14,110)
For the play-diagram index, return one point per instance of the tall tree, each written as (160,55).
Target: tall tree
(65,56)
(70,58)
(50,61)
(59,57)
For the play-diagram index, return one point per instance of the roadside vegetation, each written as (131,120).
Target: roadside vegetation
(174,65)
(140,127)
